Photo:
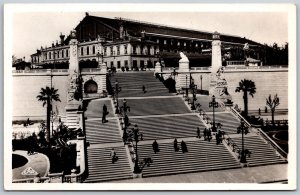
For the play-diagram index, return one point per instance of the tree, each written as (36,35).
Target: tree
(46,96)
(246,86)
(272,103)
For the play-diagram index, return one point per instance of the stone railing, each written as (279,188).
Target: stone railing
(39,71)
(90,70)
(80,162)
(256,67)
(273,143)
(239,116)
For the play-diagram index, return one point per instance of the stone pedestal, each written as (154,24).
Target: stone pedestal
(183,73)
(103,78)
(73,113)
(218,84)
(157,68)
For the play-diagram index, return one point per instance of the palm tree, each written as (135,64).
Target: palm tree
(272,103)
(46,96)
(247,86)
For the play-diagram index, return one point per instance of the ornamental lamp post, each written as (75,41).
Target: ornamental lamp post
(125,108)
(186,88)
(117,90)
(201,82)
(214,104)
(243,129)
(136,136)
(194,90)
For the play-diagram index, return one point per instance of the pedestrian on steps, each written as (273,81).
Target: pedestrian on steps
(205,134)
(113,156)
(144,89)
(155,146)
(184,147)
(198,133)
(176,145)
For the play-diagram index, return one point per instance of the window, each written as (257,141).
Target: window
(142,65)
(111,50)
(87,50)
(82,51)
(105,51)
(165,42)
(184,44)
(133,49)
(67,53)
(125,49)
(178,43)
(45,56)
(62,53)
(118,64)
(49,55)
(149,51)
(93,49)
(126,63)
(118,50)
(111,64)
(196,45)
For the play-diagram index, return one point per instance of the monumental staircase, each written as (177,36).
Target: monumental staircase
(163,116)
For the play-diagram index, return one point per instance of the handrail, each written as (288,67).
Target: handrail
(230,142)
(236,113)
(273,143)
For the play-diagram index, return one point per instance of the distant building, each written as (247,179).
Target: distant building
(121,42)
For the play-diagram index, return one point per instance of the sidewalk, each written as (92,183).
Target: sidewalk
(269,173)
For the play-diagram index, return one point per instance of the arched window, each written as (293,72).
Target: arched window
(82,51)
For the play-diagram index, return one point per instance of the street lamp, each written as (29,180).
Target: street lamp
(117,90)
(136,136)
(244,130)
(201,82)
(194,91)
(125,108)
(174,73)
(186,88)
(214,105)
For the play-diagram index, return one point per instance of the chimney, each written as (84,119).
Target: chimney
(53,44)
(62,38)
(56,43)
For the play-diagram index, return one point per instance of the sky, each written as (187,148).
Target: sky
(33,30)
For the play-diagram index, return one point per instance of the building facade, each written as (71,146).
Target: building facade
(125,43)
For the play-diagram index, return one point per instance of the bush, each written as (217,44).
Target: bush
(127,68)
(123,69)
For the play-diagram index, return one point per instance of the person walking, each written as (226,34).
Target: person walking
(205,134)
(176,145)
(155,146)
(198,133)
(144,89)
(113,156)
(183,147)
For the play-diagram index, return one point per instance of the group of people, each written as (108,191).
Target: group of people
(176,148)
(207,134)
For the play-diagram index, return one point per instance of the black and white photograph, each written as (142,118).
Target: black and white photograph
(150,96)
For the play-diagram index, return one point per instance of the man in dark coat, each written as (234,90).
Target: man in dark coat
(155,146)
(144,89)
(183,147)
(205,134)
(198,132)
(176,145)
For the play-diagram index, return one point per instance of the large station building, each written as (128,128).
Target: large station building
(121,42)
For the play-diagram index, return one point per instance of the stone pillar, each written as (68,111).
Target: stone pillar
(73,61)
(103,76)
(73,105)
(183,80)
(216,57)
(218,84)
